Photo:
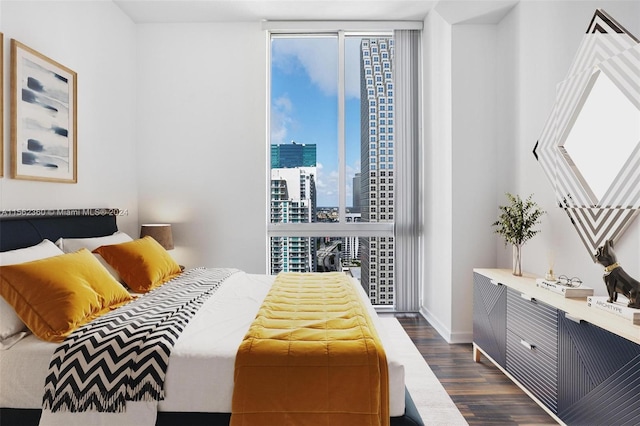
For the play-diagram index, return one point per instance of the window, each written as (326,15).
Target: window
(324,159)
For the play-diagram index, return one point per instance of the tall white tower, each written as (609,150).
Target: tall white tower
(377,170)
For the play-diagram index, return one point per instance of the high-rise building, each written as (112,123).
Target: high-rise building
(293,155)
(293,200)
(351,249)
(377,162)
(355,208)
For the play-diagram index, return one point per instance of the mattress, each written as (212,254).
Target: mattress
(200,373)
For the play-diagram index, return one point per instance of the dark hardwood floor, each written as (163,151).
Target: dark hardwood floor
(482,393)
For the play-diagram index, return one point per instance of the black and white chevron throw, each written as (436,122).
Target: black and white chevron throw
(123,355)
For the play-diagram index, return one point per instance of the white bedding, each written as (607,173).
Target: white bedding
(200,373)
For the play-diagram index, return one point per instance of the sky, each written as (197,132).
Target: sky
(304,105)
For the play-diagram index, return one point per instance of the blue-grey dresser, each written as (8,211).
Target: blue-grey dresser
(581,364)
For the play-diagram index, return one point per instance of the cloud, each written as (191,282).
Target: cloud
(281,120)
(353,169)
(327,183)
(319,181)
(325,188)
(318,58)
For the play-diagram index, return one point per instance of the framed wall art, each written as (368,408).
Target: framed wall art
(43,117)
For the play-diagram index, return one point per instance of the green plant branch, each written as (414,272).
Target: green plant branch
(516,220)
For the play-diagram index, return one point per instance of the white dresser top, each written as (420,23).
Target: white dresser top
(577,308)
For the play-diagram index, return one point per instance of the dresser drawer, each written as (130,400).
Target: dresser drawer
(599,380)
(533,321)
(537,371)
(489,317)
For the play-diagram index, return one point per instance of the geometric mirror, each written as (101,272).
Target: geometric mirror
(597,165)
(590,145)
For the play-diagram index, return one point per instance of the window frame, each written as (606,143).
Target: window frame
(408,299)
(342,228)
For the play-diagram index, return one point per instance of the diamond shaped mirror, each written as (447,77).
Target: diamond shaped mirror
(590,146)
(597,165)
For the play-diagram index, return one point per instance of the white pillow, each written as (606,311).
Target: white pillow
(12,328)
(71,245)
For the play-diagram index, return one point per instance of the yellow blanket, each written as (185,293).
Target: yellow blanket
(311,357)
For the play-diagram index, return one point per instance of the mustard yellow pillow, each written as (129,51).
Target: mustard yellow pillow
(56,295)
(143,264)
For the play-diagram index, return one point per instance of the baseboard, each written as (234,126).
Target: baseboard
(445,332)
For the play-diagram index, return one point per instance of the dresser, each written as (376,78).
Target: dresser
(581,364)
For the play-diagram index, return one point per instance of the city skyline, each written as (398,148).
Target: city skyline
(304,106)
(301,170)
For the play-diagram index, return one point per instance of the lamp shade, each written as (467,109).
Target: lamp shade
(161,232)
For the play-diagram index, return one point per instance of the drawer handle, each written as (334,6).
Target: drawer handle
(572,318)
(529,298)
(494,282)
(527,345)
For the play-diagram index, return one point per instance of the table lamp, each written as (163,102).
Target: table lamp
(161,232)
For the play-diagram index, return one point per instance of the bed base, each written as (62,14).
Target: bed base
(31,417)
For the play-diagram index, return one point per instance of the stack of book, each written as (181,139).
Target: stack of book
(566,291)
(617,308)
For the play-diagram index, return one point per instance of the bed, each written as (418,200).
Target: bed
(199,381)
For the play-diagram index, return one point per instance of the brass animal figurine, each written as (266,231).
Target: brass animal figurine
(615,278)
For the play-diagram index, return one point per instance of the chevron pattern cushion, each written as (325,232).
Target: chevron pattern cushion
(56,295)
(143,264)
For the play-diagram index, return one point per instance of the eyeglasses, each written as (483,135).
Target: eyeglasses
(569,282)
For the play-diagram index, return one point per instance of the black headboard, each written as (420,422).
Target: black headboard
(24,231)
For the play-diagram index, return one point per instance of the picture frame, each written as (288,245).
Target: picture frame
(43,117)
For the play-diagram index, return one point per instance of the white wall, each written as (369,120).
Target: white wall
(96,40)
(474,163)
(489,90)
(171,119)
(437,294)
(460,168)
(202,146)
(537,44)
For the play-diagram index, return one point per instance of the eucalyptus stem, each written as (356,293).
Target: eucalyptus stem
(515,223)
(517,219)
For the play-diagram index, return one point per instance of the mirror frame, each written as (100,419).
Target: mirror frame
(610,49)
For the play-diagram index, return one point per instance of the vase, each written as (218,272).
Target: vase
(517,260)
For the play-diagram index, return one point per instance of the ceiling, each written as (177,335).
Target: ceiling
(454,11)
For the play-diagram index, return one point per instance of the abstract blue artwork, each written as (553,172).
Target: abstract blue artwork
(44,136)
